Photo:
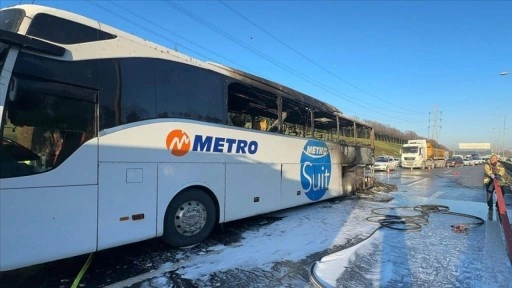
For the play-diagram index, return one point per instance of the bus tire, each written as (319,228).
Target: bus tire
(189,219)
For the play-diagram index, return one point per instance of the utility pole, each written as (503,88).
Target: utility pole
(503,140)
(503,135)
(436,126)
(504,73)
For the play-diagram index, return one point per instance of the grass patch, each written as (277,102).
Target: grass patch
(386,148)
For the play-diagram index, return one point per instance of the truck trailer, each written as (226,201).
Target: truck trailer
(421,154)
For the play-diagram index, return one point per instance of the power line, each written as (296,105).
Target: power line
(168,31)
(261,54)
(283,66)
(145,28)
(408,110)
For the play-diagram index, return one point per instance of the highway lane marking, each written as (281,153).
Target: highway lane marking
(436,195)
(455,172)
(413,183)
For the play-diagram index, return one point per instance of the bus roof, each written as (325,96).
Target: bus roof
(125,41)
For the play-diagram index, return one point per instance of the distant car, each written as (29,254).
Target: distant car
(450,162)
(454,162)
(384,163)
(397,162)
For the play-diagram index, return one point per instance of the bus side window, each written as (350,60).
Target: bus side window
(248,124)
(247,100)
(255,125)
(86,136)
(263,124)
(275,124)
(54,142)
(45,123)
(71,141)
(236,120)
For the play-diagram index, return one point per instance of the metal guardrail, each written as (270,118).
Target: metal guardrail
(507,165)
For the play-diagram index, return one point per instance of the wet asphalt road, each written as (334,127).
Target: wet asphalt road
(142,262)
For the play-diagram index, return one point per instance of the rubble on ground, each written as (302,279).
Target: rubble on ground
(379,192)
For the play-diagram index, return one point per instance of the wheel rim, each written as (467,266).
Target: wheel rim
(190,218)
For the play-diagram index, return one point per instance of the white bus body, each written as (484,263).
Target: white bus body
(133,175)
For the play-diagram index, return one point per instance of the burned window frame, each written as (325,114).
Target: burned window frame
(293,113)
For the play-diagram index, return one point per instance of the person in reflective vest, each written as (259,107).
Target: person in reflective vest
(493,169)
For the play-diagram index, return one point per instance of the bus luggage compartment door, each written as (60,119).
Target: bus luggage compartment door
(127,203)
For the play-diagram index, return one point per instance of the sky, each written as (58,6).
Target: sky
(431,67)
(433,256)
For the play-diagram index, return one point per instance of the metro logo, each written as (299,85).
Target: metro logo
(315,169)
(179,143)
(315,150)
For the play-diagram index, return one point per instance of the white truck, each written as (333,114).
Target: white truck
(420,154)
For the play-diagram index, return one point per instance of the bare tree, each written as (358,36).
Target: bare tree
(384,132)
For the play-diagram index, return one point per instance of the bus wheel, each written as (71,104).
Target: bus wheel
(189,219)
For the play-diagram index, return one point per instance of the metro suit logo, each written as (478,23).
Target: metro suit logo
(315,169)
(178,142)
